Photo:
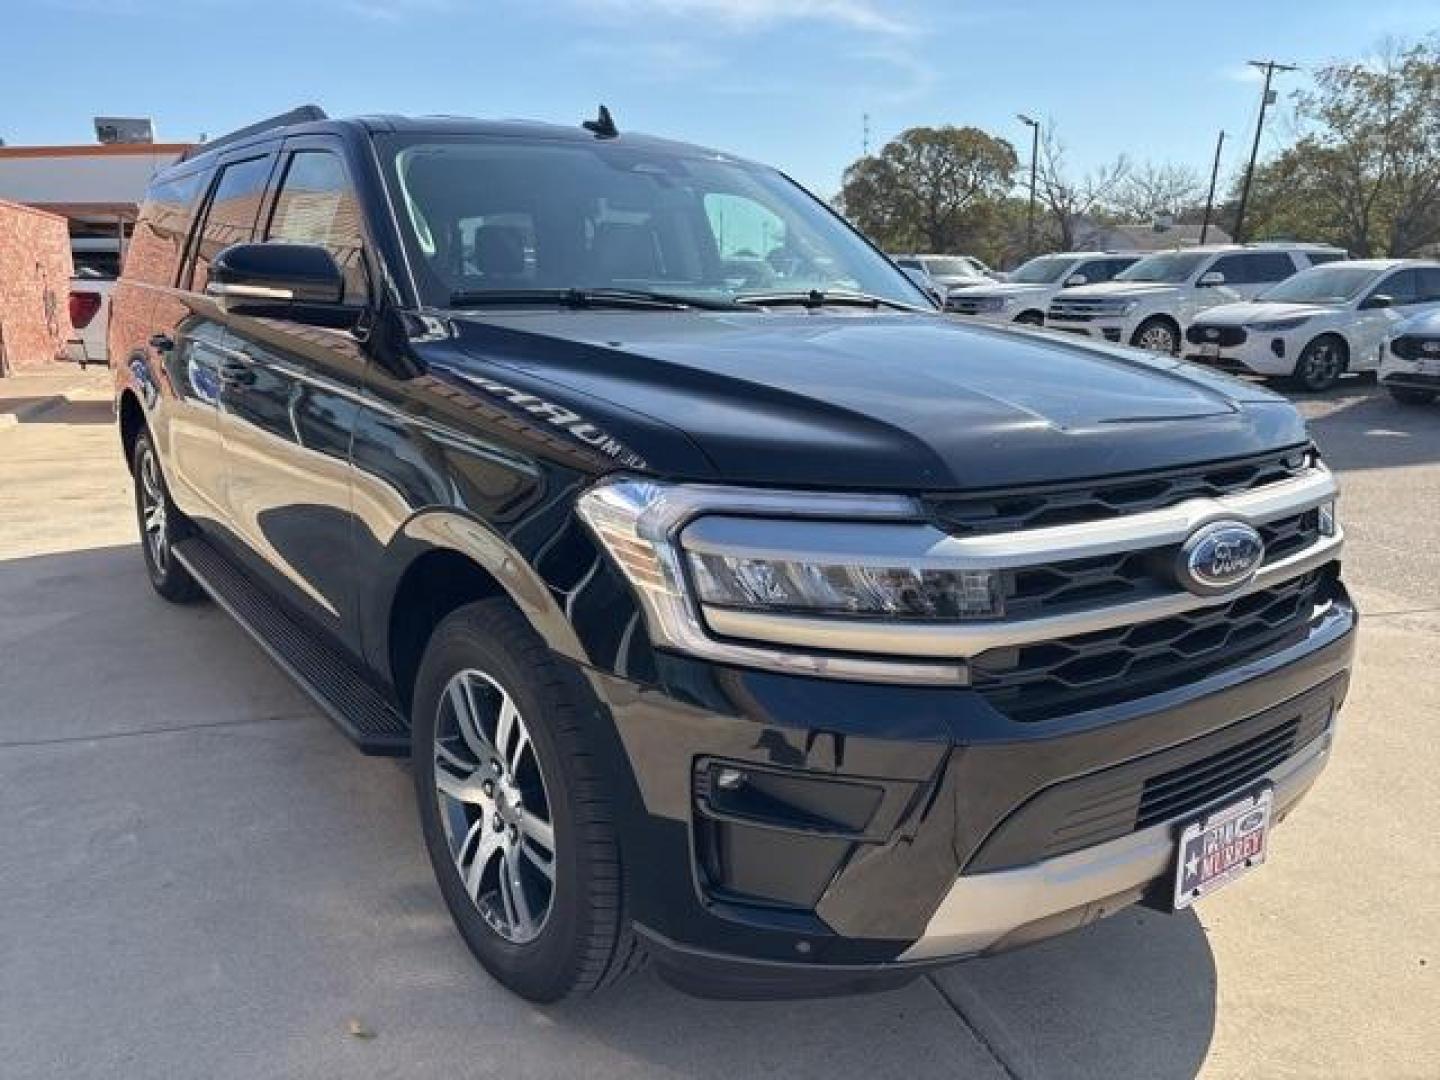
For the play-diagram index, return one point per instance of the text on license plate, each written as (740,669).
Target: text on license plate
(1216,850)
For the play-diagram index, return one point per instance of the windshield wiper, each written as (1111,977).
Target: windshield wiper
(815,298)
(640,299)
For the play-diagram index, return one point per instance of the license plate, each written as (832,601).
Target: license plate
(1209,348)
(1220,848)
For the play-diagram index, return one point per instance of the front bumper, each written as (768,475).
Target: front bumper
(902,827)
(1108,328)
(1270,355)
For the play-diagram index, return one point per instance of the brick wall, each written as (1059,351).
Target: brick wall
(35,271)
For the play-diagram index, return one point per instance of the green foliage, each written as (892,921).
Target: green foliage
(1365,173)
(930,189)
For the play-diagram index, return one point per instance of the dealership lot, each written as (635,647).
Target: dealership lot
(199,877)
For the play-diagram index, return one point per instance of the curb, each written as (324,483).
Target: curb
(30,410)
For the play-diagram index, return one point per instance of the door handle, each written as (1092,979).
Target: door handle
(162,342)
(236,373)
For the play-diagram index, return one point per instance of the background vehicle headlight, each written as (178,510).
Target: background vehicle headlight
(1268,326)
(990,303)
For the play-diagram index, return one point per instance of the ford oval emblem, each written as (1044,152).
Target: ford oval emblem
(1220,557)
(1212,333)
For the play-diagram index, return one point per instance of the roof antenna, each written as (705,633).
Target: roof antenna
(603,126)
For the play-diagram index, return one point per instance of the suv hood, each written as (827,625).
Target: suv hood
(1120,290)
(1249,312)
(857,399)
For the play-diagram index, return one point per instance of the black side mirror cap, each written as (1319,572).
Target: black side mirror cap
(274,276)
(1379,300)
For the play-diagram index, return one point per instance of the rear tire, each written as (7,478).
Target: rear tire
(1406,395)
(161,525)
(1157,334)
(489,688)
(1030,318)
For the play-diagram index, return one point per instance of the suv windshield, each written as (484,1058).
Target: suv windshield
(1046,270)
(1171,268)
(514,218)
(1321,285)
(952,267)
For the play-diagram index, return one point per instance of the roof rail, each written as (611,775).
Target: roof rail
(301,115)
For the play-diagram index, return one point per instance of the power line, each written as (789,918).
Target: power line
(1270,67)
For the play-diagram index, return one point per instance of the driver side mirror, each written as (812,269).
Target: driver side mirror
(1076,279)
(299,282)
(921,281)
(1377,300)
(1211,279)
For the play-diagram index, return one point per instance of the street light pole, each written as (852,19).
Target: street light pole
(1269,67)
(1034,126)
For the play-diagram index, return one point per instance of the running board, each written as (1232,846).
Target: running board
(322,670)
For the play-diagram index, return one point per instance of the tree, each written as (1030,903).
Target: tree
(1071,200)
(1155,190)
(928,188)
(1365,172)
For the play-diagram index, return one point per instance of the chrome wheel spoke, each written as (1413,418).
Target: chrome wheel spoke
(512,893)
(499,802)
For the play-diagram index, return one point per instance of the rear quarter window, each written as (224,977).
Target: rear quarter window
(164,223)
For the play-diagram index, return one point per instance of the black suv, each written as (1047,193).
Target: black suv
(735,607)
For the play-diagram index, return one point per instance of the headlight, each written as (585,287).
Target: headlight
(684,548)
(1274,325)
(989,303)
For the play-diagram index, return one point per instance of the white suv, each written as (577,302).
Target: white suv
(1026,293)
(1152,302)
(1319,324)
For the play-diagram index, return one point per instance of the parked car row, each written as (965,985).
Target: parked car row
(1303,312)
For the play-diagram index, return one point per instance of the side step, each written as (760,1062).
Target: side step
(327,674)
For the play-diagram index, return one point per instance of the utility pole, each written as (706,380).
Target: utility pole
(1034,126)
(1269,67)
(1210,198)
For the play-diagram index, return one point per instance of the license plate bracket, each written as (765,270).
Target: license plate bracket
(1222,846)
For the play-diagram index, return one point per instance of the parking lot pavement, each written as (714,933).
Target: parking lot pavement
(198,877)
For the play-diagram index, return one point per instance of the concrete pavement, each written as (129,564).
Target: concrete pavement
(198,877)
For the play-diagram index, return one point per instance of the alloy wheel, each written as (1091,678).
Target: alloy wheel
(1157,338)
(494,806)
(153,513)
(1322,365)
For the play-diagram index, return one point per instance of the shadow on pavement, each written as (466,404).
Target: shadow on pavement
(1359,426)
(68,412)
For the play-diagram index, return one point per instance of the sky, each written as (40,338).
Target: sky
(788,82)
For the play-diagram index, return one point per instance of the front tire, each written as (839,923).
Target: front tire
(1157,334)
(1321,364)
(1030,318)
(516,819)
(161,525)
(1407,395)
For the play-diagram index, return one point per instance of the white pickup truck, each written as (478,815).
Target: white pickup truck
(1151,303)
(97,265)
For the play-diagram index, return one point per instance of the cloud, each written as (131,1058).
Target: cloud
(743,15)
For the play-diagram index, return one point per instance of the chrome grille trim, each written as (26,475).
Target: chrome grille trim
(1035,547)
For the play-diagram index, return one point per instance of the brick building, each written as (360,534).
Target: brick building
(35,271)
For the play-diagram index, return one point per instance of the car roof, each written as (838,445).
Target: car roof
(440,126)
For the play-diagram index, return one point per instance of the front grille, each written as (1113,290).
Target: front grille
(1034,508)
(1164,786)
(972,305)
(1224,336)
(1416,347)
(1191,786)
(1072,310)
(1088,671)
(1131,575)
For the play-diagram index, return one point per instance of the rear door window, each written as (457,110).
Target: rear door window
(230,216)
(1428,285)
(316,204)
(163,226)
(1255,268)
